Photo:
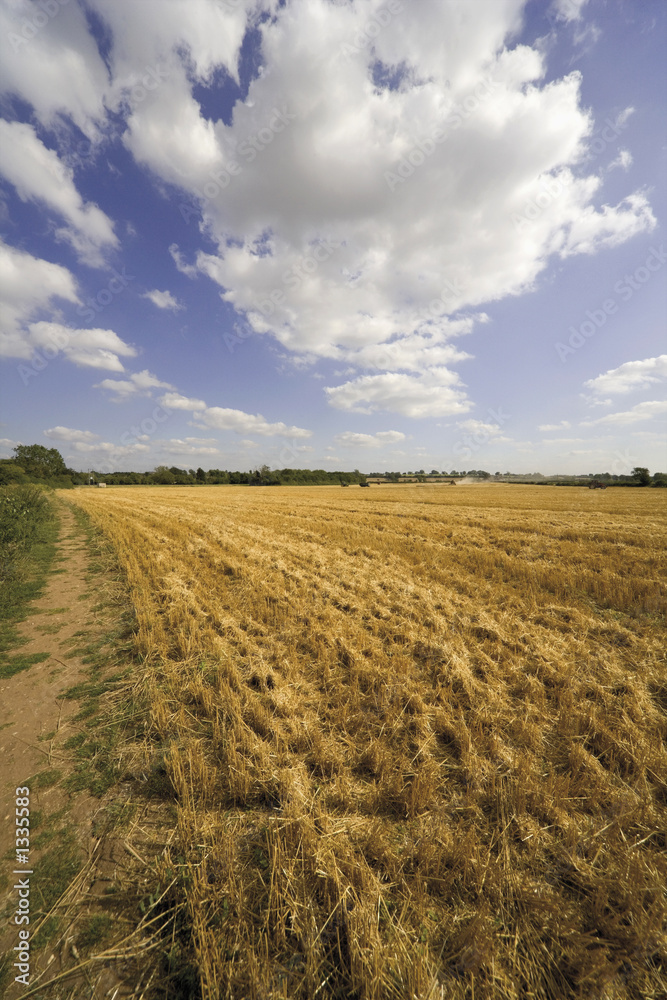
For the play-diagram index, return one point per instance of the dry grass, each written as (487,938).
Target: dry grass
(417,734)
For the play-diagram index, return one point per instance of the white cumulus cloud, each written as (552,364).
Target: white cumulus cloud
(630,376)
(224,419)
(176,401)
(434,393)
(93,348)
(27,285)
(39,175)
(52,61)
(70,434)
(341,208)
(345,217)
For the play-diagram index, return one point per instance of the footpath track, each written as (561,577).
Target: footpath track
(32,700)
(39,715)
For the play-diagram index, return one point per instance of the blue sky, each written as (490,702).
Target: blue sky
(334,233)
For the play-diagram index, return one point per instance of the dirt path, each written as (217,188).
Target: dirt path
(32,702)
(36,719)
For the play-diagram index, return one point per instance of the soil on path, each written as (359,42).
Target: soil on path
(32,700)
(36,719)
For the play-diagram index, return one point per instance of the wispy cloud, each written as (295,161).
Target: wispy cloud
(642,411)
(188,269)
(71,434)
(38,174)
(163,300)
(226,419)
(568,10)
(138,384)
(563,425)
(623,160)
(358,440)
(630,376)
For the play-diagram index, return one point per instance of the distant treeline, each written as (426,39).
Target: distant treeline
(163,476)
(46,466)
(36,464)
(640,477)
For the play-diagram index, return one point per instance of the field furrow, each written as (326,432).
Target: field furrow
(417,736)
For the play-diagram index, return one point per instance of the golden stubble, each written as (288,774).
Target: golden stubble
(417,735)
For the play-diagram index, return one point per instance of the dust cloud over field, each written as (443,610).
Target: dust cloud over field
(417,735)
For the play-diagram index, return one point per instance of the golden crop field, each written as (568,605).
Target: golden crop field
(417,734)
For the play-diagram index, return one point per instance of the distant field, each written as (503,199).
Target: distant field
(417,733)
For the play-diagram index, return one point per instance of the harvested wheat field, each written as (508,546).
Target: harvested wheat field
(416,734)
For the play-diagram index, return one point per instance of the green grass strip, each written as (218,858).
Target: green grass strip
(28,535)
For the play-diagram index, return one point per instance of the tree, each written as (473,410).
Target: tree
(39,461)
(10,472)
(201,476)
(264,477)
(642,475)
(181,476)
(163,476)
